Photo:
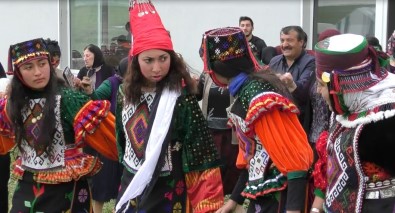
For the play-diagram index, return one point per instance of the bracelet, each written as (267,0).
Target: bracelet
(315,210)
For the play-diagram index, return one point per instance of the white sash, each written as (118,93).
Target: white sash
(159,130)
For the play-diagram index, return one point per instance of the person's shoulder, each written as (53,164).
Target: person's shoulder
(256,38)
(306,58)
(309,54)
(276,60)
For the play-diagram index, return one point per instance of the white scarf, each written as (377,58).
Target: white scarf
(381,93)
(159,130)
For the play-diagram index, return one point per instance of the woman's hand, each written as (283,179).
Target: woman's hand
(86,85)
(318,204)
(77,82)
(228,207)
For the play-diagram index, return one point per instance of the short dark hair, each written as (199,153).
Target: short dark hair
(246,18)
(302,36)
(53,47)
(373,41)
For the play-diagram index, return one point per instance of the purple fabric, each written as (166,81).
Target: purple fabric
(115,82)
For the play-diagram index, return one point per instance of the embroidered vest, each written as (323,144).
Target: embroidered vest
(346,180)
(38,160)
(135,123)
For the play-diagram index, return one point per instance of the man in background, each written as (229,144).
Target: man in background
(294,66)
(256,44)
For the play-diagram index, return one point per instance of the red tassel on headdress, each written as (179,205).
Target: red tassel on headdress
(257,66)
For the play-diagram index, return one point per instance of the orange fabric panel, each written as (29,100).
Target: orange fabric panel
(103,139)
(284,139)
(205,190)
(241,162)
(6,144)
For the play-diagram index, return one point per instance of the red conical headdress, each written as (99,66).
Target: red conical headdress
(147,29)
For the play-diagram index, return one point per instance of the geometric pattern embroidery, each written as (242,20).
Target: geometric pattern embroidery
(33,128)
(37,159)
(336,171)
(136,129)
(255,153)
(135,122)
(345,176)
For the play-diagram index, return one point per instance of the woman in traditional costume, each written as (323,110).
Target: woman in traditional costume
(355,172)
(171,163)
(273,148)
(50,124)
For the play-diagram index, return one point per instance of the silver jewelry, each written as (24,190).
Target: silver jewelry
(315,210)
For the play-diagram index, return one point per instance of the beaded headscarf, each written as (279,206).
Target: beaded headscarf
(223,44)
(24,52)
(349,65)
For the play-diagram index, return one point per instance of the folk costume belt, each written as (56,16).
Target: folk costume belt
(380,189)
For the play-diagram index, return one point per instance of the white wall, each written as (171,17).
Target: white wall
(187,20)
(23,20)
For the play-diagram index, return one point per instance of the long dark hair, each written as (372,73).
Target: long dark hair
(271,78)
(134,79)
(99,58)
(19,99)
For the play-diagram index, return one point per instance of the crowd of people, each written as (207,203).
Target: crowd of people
(290,129)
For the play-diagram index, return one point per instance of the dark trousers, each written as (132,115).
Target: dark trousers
(4,176)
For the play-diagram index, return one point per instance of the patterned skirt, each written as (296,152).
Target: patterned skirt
(167,196)
(30,196)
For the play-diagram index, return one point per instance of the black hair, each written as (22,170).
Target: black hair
(123,66)
(373,41)
(76,54)
(2,72)
(99,58)
(53,47)
(302,36)
(232,67)
(246,18)
(271,78)
(127,26)
(267,54)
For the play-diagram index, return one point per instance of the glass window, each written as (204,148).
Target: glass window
(102,23)
(348,16)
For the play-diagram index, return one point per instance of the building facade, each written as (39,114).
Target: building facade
(77,23)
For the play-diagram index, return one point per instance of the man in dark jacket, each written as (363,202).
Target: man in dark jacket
(294,66)
(256,44)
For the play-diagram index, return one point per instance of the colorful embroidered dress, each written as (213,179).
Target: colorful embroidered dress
(359,162)
(55,182)
(354,172)
(272,144)
(187,176)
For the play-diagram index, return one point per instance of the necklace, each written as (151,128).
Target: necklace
(37,117)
